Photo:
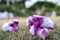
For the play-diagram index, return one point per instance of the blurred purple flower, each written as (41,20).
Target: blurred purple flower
(11,26)
(40,25)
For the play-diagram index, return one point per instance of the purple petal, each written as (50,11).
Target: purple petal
(11,25)
(44,33)
(30,22)
(15,23)
(49,28)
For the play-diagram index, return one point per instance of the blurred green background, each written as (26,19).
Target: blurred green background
(17,7)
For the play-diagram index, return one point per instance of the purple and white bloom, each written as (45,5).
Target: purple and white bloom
(11,26)
(40,25)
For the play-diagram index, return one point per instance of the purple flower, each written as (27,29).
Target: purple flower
(11,26)
(14,25)
(40,25)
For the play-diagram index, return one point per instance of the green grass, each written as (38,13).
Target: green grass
(23,34)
